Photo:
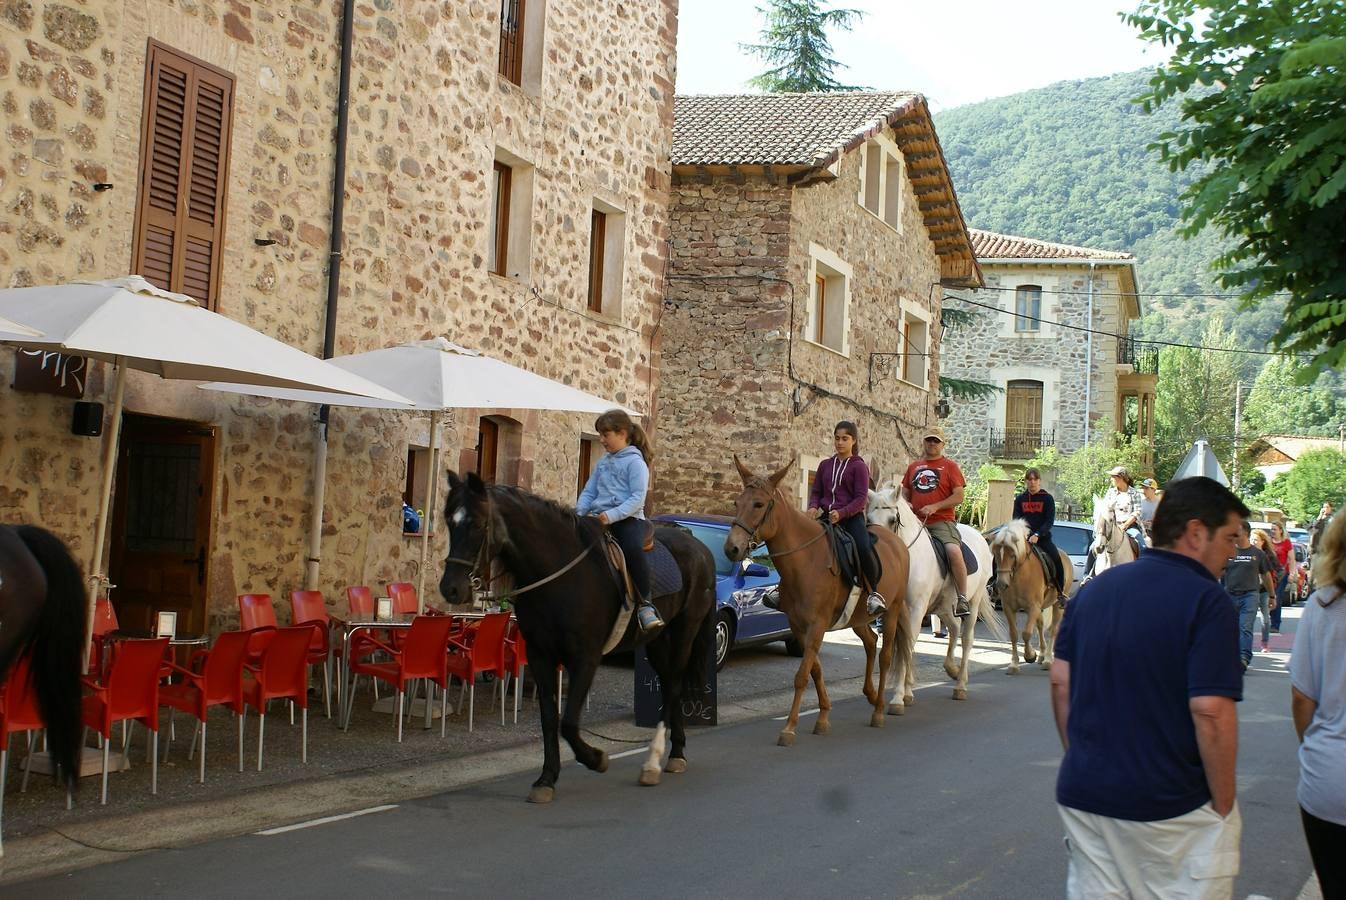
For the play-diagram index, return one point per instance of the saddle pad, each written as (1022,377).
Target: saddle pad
(847,554)
(969,558)
(665,576)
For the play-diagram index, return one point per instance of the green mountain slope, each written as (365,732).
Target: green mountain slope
(1069,163)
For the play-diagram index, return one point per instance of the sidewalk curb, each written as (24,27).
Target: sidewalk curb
(114,838)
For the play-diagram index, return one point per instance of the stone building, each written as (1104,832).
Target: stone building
(506,185)
(812,237)
(1045,332)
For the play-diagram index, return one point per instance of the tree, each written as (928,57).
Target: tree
(1195,399)
(1316,476)
(795,45)
(1270,140)
(951,318)
(1277,405)
(1083,473)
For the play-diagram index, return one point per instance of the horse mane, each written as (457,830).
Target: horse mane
(1013,536)
(559,513)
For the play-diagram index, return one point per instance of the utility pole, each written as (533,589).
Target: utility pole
(1238,415)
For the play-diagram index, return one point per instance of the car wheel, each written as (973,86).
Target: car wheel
(724,639)
(793,647)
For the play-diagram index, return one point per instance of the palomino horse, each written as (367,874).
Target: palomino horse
(568,602)
(929,591)
(42,613)
(1024,586)
(813,596)
(1111,545)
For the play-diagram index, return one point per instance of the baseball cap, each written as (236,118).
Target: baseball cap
(1148,482)
(934,432)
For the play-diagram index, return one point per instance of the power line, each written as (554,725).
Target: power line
(1138,294)
(1156,343)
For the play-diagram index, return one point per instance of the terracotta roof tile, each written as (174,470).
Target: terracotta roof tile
(989,245)
(777,129)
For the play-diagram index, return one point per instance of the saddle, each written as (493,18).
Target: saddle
(1047,566)
(665,578)
(847,554)
(941,556)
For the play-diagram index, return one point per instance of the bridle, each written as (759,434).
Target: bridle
(754,542)
(485,554)
(1121,539)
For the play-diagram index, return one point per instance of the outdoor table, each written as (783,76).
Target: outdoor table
(349,629)
(185,639)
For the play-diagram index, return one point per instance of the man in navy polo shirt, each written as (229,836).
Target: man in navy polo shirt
(1143,688)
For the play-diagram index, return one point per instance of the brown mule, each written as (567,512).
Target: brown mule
(813,595)
(1022,585)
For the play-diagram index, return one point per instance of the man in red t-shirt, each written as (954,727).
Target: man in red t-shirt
(934,486)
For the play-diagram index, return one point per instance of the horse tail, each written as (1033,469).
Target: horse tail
(986,612)
(694,676)
(57,647)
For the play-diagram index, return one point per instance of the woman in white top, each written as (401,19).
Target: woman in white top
(1318,704)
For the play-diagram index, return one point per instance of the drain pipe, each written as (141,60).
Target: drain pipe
(1089,357)
(313,557)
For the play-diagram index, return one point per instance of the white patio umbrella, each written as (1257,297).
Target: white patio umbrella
(434,375)
(9,326)
(135,325)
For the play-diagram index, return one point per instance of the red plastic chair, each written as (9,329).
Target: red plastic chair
(257,614)
(403,595)
(18,712)
(283,675)
(131,692)
(310,608)
(516,660)
(422,656)
(218,683)
(485,653)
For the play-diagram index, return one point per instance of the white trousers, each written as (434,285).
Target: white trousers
(1195,855)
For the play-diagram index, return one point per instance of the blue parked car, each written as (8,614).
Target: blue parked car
(741,619)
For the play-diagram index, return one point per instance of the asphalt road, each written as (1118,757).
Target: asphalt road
(954,799)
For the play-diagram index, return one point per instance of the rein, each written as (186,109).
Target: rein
(752,532)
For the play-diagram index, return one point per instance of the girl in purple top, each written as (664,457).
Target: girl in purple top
(840,490)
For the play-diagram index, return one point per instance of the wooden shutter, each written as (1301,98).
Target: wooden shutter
(598,230)
(488,448)
(499,258)
(184,163)
(820,325)
(1023,417)
(511,40)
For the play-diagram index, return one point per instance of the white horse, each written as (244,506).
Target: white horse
(930,592)
(1110,546)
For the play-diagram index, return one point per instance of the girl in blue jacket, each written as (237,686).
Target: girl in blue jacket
(615,494)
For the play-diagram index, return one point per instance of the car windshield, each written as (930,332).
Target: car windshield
(1075,541)
(1300,535)
(713,537)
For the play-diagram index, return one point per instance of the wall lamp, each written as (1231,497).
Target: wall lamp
(102,186)
(942,408)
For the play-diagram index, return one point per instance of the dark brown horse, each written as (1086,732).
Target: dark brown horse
(567,603)
(42,613)
(813,595)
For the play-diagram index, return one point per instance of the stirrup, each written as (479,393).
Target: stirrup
(875,605)
(647,617)
(771,597)
(961,609)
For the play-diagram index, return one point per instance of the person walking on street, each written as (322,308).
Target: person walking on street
(1318,706)
(1285,559)
(615,494)
(1143,689)
(840,489)
(1245,575)
(1266,598)
(1038,508)
(934,487)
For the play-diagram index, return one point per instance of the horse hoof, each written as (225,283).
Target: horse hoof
(786,739)
(542,795)
(676,766)
(1045,665)
(1012,670)
(822,727)
(876,720)
(909,699)
(602,764)
(959,694)
(1030,658)
(649,777)
(896,709)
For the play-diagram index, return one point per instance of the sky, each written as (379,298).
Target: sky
(953,51)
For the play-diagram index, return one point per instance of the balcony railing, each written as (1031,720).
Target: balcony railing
(1142,356)
(1019,443)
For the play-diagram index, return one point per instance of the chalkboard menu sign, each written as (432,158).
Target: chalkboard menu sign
(50,372)
(698,709)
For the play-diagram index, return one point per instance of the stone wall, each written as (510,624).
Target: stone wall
(429,114)
(733,332)
(989,350)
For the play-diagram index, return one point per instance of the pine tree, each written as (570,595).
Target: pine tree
(795,45)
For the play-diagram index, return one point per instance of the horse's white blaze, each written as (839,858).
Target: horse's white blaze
(655,760)
(459,515)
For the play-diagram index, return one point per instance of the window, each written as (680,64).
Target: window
(509,219)
(178,240)
(915,349)
(499,443)
(1023,418)
(881,175)
(1028,307)
(413,491)
(499,250)
(829,296)
(511,39)
(607,249)
(590,451)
